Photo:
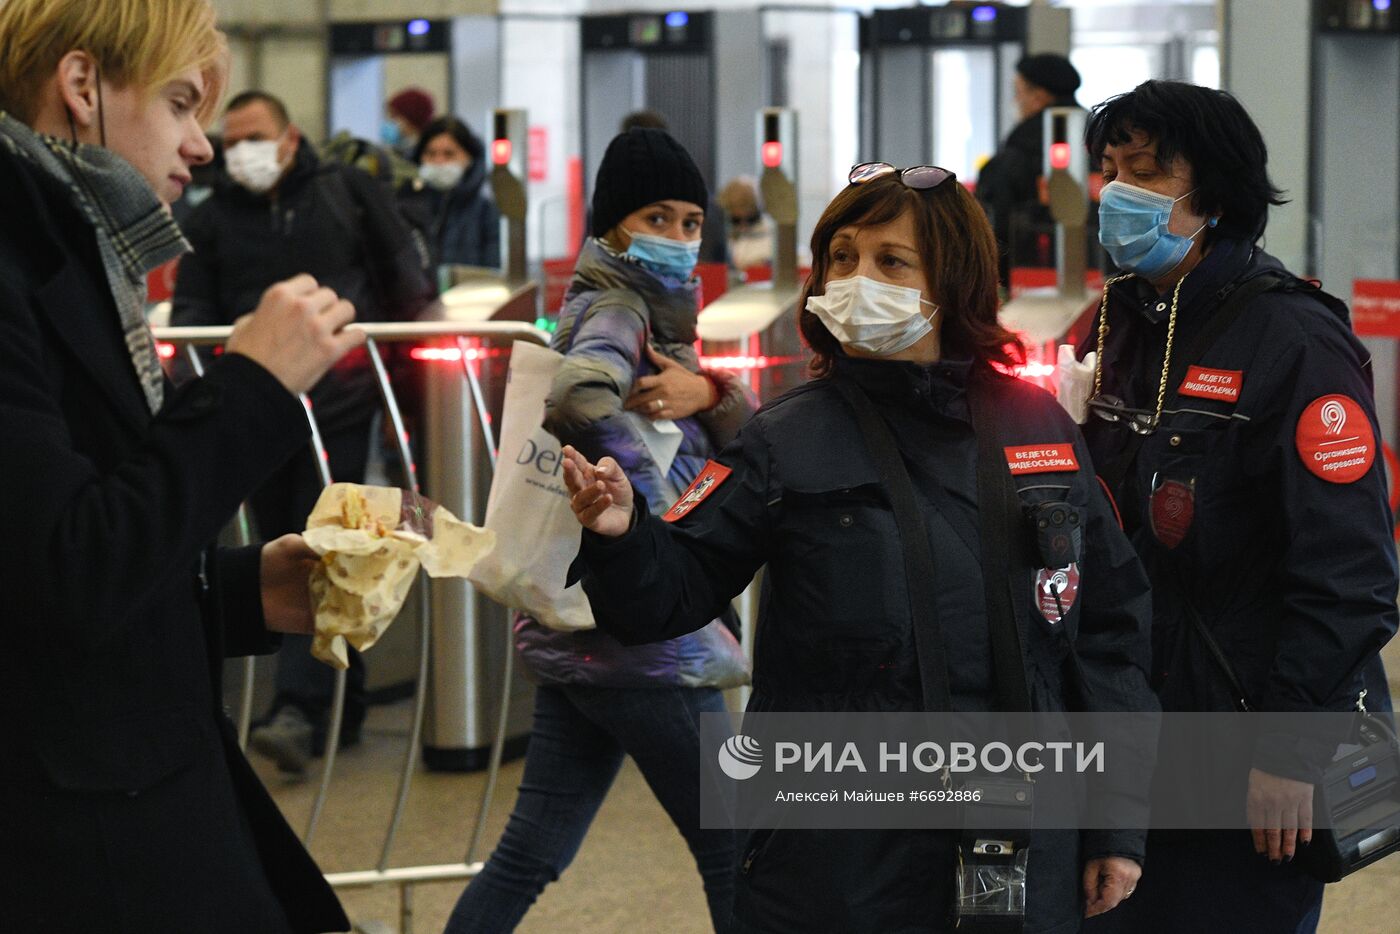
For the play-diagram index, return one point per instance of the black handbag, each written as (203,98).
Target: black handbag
(1360,795)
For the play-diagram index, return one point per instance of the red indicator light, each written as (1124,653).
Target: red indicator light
(1059,155)
(1034,370)
(500,151)
(454,354)
(740,362)
(772,154)
(166,351)
(439,354)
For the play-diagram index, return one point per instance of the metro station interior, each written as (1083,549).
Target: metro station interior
(787,97)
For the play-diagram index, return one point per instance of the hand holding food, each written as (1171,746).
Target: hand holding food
(372,540)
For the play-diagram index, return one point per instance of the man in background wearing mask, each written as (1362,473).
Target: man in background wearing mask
(750,230)
(1009,184)
(289,212)
(1231,419)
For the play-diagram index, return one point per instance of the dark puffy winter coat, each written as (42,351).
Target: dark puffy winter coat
(612,309)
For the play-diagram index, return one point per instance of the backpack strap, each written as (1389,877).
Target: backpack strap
(1001,530)
(389,275)
(339,194)
(913,538)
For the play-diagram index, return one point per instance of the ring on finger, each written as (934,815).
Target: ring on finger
(658,405)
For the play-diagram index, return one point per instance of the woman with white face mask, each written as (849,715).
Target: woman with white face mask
(452,189)
(874,495)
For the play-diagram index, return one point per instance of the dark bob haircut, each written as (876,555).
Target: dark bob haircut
(1211,131)
(959,255)
(454,128)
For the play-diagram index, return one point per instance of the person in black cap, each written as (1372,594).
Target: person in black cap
(1008,185)
(627,332)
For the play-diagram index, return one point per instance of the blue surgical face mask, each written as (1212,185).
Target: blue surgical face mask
(389,132)
(1133,230)
(674,259)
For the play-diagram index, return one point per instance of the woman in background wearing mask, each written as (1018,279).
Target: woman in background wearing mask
(901,314)
(406,115)
(630,381)
(465,223)
(1232,420)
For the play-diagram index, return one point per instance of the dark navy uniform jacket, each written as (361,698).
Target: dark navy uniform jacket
(1269,490)
(835,629)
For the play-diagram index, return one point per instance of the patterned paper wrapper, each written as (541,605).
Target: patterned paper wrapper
(372,540)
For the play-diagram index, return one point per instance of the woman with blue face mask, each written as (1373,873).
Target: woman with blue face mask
(629,388)
(884,591)
(1225,392)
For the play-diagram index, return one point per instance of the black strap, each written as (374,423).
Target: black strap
(1002,525)
(1233,303)
(999,514)
(1237,689)
(913,536)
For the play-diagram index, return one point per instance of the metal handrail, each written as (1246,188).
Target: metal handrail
(415,733)
(323,471)
(404,877)
(493,768)
(207,335)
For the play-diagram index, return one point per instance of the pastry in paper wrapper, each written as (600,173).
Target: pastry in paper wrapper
(372,540)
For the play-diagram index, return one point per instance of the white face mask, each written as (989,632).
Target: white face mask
(876,317)
(442,175)
(253,164)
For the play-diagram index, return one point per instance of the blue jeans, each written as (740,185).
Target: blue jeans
(580,737)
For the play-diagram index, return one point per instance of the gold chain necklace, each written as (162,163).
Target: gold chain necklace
(1167,357)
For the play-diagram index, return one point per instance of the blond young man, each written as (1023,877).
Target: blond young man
(125,805)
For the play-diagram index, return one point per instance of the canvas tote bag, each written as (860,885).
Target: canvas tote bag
(537,535)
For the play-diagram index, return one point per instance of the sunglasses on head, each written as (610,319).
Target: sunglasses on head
(919,177)
(1112,409)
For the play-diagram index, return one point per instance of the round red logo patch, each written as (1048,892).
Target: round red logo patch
(1062,583)
(1173,506)
(1335,439)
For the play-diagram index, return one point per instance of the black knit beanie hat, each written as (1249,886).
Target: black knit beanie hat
(643,166)
(1052,72)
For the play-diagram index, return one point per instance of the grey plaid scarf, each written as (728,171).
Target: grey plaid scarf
(135,233)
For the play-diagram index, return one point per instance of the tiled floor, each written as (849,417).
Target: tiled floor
(632,874)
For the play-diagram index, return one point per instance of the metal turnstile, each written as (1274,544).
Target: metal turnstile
(669,63)
(456,60)
(937,83)
(753,329)
(1044,317)
(472,661)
